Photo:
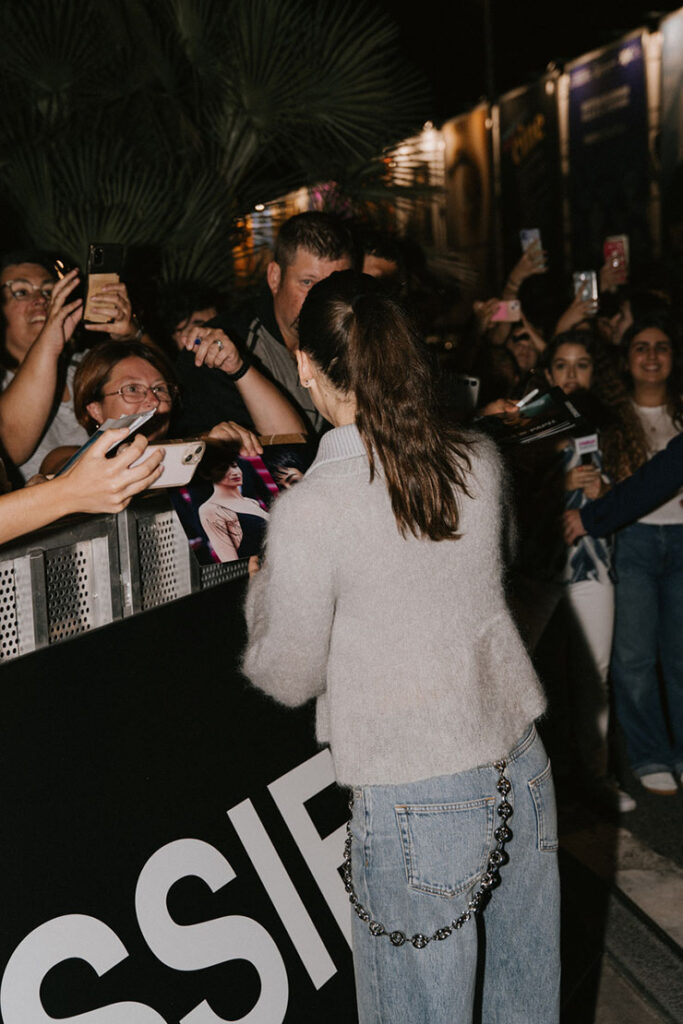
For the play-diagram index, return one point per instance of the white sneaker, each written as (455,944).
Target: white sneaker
(625,801)
(608,793)
(662,783)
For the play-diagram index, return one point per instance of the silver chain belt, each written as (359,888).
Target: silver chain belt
(490,879)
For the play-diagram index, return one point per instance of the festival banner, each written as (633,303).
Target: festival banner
(469,196)
(672,131)
(608,152)
(172,838)
(530,171)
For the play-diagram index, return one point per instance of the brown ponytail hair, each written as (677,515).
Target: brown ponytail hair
(364,343)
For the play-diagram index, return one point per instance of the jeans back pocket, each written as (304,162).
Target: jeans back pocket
(445,846)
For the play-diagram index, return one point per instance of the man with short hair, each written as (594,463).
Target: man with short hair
(309,247)
(382,256)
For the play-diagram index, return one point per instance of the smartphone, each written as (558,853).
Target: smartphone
(465,394)
(531,238)
(507,312)
(586,285)
(133,421)
(615,252)
(181,459)
(105,263)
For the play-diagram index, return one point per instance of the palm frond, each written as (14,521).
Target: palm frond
(162,123)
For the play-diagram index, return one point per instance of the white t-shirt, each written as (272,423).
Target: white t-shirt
(64,428)
(659,430)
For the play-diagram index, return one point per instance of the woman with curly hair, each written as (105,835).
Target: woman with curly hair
(649,561)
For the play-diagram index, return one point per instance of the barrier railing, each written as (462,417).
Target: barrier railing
(87,571)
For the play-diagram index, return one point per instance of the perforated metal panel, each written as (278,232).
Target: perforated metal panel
(9,631)
(69,592)
(162,578)
(212,575)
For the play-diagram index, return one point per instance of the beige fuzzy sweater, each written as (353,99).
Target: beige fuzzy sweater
(406,643)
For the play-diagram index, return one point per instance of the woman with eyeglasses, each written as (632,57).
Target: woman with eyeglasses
(115,379)
(39,316)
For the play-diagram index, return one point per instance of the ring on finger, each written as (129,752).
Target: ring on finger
(219,343)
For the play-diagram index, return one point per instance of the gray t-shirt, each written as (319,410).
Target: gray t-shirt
(279,362)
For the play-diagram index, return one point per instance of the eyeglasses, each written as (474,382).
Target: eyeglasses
(23,290)
(133,394)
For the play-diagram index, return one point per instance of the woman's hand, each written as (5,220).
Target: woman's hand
(612,274)
(483,311)
(62,316)
(212,347)
(584,478)
(98,484)
(532,261)
(572,525)
(112,303)
(537,340)
(501,407)
(249,443)
(579,309)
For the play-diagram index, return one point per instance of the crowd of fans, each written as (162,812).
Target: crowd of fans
(600,611)
(600,617)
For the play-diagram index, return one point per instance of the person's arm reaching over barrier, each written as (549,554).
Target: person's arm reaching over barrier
(655,482)
(270,410)
(93,484)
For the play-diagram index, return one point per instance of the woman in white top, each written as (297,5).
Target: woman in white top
(649,567)
(381,596)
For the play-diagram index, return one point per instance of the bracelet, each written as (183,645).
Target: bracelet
(139,332)
(246,363)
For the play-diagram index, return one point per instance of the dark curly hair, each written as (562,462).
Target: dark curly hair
(625,446)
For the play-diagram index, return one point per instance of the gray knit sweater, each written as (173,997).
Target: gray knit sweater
(407,643)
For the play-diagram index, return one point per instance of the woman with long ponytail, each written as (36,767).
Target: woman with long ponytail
(381,595)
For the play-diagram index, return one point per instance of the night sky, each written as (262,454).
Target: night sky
(446,41)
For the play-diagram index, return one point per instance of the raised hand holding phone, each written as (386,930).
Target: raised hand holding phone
(130,423)
(96,483)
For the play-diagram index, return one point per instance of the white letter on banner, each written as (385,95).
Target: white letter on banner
(63,938)
(196,946)
(280,888)
(323,856)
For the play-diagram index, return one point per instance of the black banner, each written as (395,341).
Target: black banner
(608,152)
(672,132)
(530,171)
(171,838)
(467,162)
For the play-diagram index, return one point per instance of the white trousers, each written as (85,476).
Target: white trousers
(591,606)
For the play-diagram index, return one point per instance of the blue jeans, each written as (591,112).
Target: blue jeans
(648,623)
(419,851)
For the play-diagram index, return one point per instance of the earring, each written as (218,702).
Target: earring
(306,383)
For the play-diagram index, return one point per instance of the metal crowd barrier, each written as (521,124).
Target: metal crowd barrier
(86,571)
